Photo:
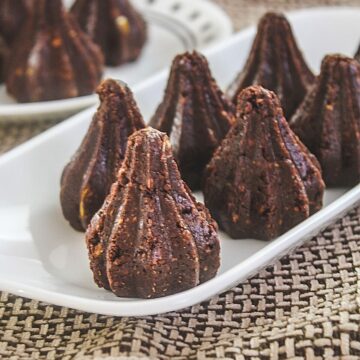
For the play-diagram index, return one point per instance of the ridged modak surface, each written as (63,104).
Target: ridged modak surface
(194,113)
(13,14)
(115,26)
(86,180)
(276,63)
(328,121)
(151,238)
(52,57)
(262,180)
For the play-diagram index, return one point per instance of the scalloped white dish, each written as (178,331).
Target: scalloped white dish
(174,26)
(41,256)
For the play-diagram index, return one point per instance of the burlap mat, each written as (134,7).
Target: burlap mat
(306,306)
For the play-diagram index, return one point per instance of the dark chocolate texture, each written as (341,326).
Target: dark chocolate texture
(86,180)
(262,180)
(52,58)
(194,113)
(276,63)
(115,26)
(13,14)
(151,238)
(328,121)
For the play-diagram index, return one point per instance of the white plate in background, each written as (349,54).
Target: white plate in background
(42,257)
(174,27)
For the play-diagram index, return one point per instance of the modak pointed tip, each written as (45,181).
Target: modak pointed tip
(108,87)
(259,99)
(272,16)
(276,63)
(328,121)
(151,238)
(261,180)
(116,26)
(52,57)
(86,180)
(335,59)
(194,113)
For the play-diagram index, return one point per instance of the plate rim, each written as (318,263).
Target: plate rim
(146,307)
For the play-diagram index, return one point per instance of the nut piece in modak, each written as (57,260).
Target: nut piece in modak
(52,57)
(195,115)
(87,179)
(328,121)
(262,180)
(13,14)
(276,63)
(151,238)
(115,26)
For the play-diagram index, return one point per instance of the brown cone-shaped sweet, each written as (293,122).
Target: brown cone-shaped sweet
(13,14)
(262,180)
(151,238)
(276,63)
(195,115)
(4,53)
(86,180)
(328,121)
(115,26)
(52,58)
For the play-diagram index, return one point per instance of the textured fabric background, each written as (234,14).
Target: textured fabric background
(306,306)
(247,12)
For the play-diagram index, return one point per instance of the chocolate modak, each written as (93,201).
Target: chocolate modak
(13,14)
(151,238)
(86,180)
(261,180)
(115,26)
(328,121)
(52,58)
(276,63)
(195,115)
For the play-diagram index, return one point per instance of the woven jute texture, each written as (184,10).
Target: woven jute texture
(305,306)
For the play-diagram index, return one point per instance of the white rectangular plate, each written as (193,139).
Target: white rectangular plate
(42,257)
